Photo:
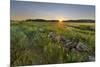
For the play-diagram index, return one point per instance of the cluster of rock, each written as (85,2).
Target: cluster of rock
(68,44)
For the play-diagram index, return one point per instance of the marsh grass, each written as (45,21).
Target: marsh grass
(30,46)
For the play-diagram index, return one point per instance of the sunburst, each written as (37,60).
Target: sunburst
(60,20)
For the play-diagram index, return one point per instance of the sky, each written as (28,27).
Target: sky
(22,10)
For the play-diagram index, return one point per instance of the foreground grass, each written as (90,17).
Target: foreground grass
(30,46)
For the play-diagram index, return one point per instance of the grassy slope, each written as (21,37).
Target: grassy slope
(30,46)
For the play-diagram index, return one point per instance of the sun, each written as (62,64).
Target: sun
(60,23)
(60,20)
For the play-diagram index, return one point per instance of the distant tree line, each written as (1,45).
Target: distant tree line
(43,20)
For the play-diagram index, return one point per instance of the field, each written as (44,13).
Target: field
(31,43)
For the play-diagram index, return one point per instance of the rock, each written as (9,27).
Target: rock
(74,50)
(58,38)
(63,40)
(68,44)
(53,36)
(71,45)
(41,30)
(81,47)
(91,58)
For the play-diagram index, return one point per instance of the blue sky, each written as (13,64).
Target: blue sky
(21,10)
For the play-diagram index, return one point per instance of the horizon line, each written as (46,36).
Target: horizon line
(48,19)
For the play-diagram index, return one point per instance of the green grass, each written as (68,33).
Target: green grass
(29,46)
